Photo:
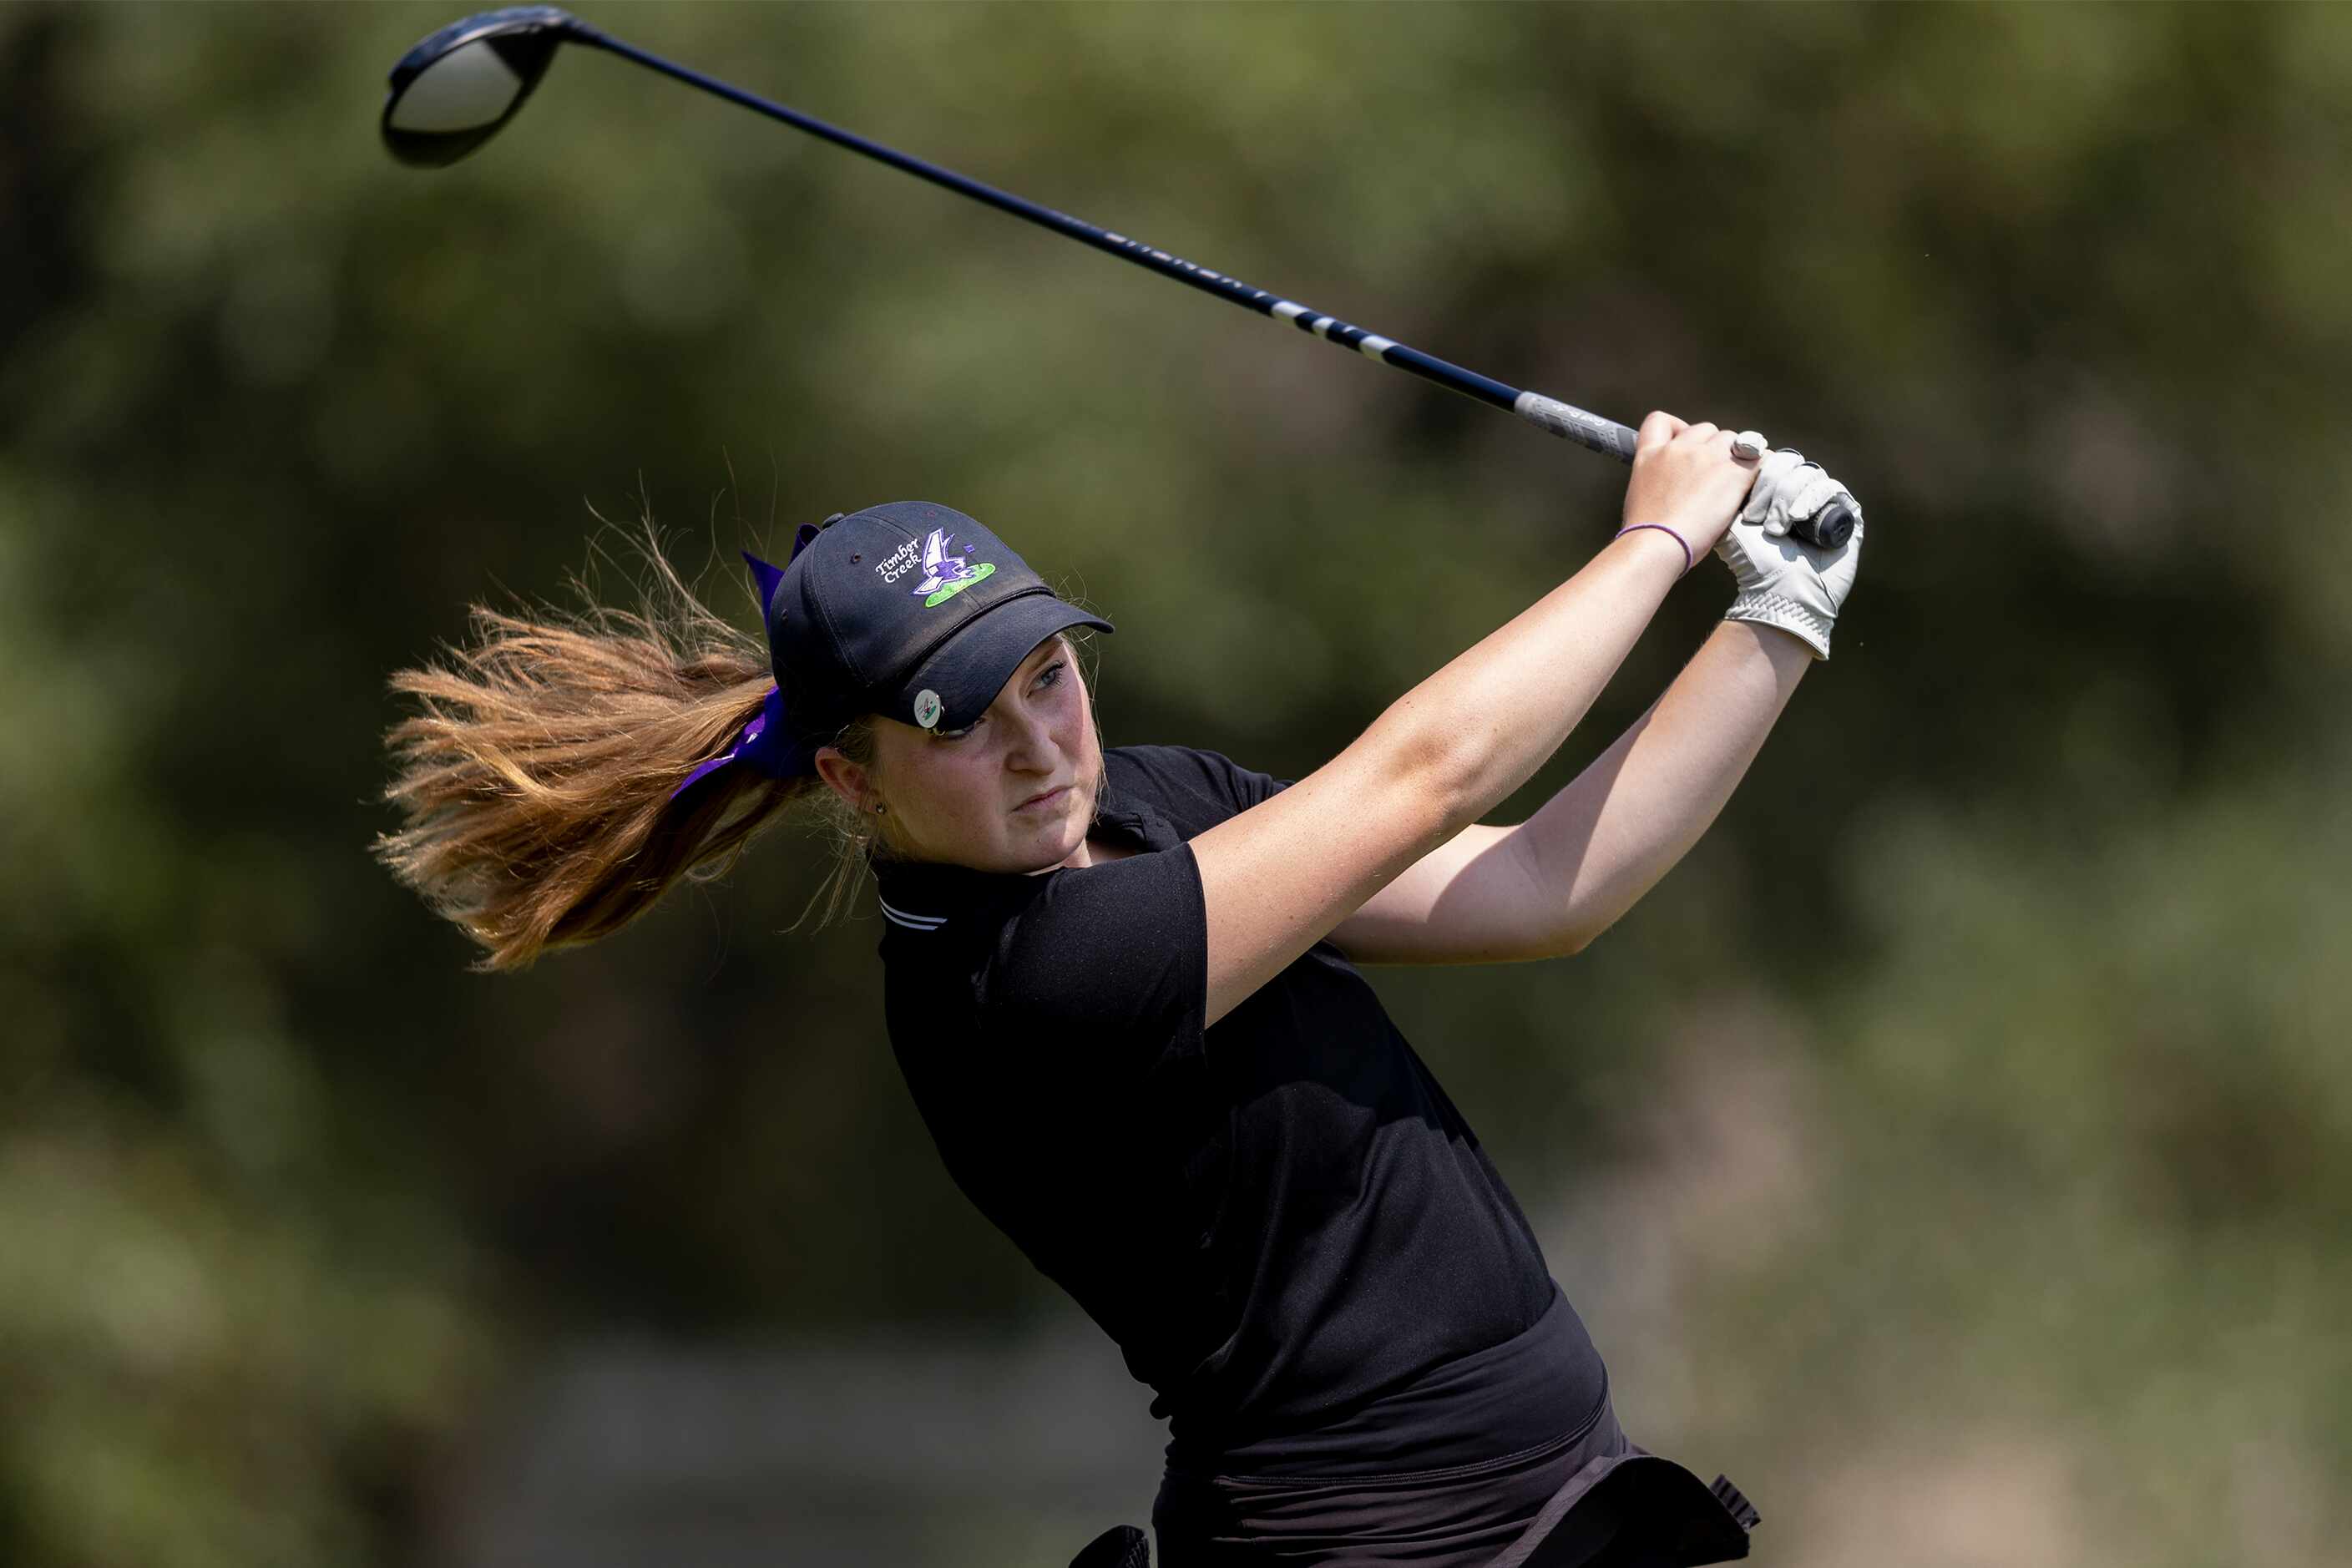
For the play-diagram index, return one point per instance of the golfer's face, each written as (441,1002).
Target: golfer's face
(1013,793)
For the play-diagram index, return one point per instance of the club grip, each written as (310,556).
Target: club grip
(1828,528)
(1825,530)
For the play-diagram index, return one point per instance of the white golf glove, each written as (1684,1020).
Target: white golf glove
(1783,583)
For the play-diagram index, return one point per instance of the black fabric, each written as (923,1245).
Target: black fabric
(1464,1516)
(1591,1498)
(1284,1222)
(1634,1509)
(1121,1546)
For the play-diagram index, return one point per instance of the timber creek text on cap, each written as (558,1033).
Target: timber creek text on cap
(908,609)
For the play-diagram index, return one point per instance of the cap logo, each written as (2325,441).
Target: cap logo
(927,707)
(945,575)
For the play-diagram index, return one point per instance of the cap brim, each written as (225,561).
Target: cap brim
(967,671)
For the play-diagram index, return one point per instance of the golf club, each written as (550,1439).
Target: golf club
(453,90)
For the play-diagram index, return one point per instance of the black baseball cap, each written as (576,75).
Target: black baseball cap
(909,609)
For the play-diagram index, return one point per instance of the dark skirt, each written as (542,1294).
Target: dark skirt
(1588,1498)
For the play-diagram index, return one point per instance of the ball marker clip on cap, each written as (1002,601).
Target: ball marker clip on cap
(909,609)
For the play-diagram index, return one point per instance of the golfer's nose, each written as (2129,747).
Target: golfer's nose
(1028,742)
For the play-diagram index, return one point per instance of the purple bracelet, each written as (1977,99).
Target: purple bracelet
(1662,528)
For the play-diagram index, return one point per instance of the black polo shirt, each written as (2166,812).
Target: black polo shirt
(1285,1223)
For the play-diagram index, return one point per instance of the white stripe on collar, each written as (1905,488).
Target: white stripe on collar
(911,922)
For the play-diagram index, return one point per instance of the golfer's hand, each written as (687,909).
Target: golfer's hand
(1783,583)
(1685,478)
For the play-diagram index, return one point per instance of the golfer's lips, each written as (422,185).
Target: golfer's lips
(1045,797)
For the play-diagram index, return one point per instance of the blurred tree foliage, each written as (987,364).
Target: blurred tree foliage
(1975,1106)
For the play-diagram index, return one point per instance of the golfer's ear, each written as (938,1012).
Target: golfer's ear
(846,778)
(1658,429)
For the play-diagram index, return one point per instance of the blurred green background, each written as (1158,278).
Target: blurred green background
(1954,1149)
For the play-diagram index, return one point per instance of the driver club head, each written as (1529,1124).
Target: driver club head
(453,90)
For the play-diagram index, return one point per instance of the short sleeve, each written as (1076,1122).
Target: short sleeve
(1196,789)
(1106,970)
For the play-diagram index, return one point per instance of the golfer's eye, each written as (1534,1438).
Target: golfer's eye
(1047,680)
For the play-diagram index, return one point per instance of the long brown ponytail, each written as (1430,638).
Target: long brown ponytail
(535,777)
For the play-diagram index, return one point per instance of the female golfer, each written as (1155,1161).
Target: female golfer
(1121,983)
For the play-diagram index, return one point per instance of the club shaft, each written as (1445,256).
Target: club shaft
(1605,436)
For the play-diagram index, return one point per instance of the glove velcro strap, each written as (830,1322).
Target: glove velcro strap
(1802,621)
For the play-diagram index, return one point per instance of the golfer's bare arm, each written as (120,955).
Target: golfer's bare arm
(1557,880)
(1283,875)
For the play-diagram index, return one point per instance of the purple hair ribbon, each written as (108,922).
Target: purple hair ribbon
(765,745)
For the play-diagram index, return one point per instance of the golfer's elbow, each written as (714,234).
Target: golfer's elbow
(1579,906)
(1574,939)
(1593,911)
(1440,767)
